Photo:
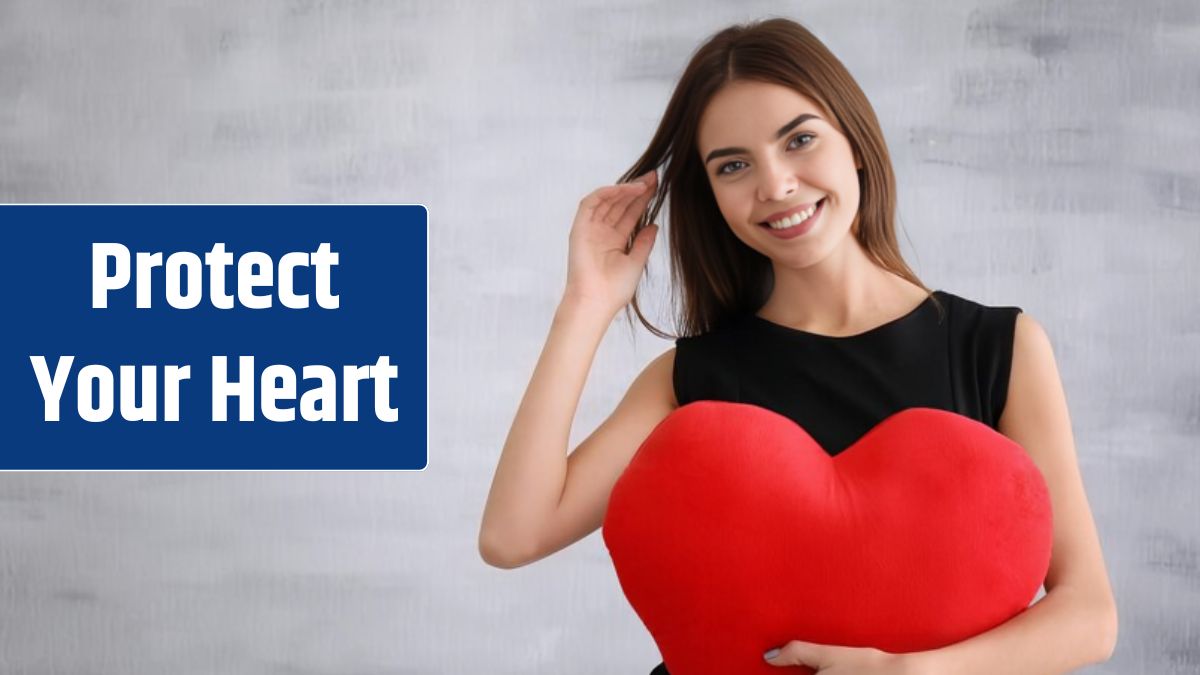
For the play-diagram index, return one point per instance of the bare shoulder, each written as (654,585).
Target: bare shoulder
(659,375)
(1036,403)
(1033,376)
(1031,338)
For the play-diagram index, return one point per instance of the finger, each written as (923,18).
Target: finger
(797,653)
(609,195)
(600,201)
(595,199)
(625,213)
(608,191)
(633,211)
(616,201)
(643,244)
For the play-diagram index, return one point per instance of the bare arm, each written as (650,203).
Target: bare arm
(1075,624)
(522,520)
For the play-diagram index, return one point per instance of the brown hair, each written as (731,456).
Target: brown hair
(718,276)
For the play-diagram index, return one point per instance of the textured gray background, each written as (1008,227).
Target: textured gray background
(1046,154)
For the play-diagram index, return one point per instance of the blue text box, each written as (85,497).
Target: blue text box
(381,283)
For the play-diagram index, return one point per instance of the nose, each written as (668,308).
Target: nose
(776,181)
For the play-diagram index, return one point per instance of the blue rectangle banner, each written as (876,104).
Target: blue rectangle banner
(247,337)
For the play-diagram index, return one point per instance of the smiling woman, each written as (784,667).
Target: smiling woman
(780,199)
(765,124)
(748,181)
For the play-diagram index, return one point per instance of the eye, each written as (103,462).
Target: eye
(724,168)
(800,135)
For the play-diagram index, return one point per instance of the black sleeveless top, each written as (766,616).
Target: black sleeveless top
(837,388)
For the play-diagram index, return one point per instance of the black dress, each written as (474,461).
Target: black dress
(955,358)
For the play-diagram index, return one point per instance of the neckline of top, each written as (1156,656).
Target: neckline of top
(870,331)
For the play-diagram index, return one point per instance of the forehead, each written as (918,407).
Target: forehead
(747,112)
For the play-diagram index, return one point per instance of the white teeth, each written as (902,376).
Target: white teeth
(796,219)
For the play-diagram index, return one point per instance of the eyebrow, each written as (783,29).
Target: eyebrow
(783,130)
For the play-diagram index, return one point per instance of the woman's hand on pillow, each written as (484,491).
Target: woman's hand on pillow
(835,660)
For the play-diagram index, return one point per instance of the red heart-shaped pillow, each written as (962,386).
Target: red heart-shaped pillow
(733,532)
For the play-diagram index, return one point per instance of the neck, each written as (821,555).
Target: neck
(844,293)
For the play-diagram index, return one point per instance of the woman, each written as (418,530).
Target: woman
(781,203)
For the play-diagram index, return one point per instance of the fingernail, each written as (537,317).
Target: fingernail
(771,654)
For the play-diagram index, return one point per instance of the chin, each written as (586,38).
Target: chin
(812,252)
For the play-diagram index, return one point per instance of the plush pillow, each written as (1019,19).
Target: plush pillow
(732,532)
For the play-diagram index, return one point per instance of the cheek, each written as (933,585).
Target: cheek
(725,203)
(838,177)
(851,188)
(732,202)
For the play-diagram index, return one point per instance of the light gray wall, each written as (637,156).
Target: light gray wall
(1046,155)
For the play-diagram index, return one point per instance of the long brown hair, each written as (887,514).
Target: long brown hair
(718,276)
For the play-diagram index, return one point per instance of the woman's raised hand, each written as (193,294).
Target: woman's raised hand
(599,272)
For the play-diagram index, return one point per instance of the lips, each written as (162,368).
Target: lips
(800,228)
(790,212)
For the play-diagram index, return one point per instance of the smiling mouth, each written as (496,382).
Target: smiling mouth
(796,219)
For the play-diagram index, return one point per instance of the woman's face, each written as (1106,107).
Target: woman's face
(771,154)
